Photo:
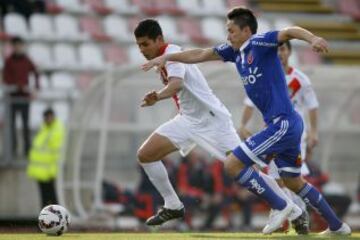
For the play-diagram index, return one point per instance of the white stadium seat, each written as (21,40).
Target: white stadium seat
(65,57)
(117,28)
(91,57)
(61,109)
(214,7)
(41,27)
(192,7)
(63,81)
(15,24)
(169,28)
(72,6)
(281,23)
(214,29)
(122,6)
(67,28)
(40,54)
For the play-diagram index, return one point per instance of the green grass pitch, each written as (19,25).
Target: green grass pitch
(166,236)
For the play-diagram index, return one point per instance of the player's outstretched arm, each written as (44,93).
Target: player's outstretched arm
(189,56)
(317,43)
(175,84)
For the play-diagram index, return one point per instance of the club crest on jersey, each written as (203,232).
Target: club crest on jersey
(250,58)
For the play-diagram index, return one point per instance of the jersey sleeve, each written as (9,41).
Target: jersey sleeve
(308,93)
(175,69)
(266,41)
(310,99)
(225,51)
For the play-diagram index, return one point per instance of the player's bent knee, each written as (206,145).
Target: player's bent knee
(143,156)
(233,166)
(295,184)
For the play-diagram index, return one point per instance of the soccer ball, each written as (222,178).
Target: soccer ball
(54,220)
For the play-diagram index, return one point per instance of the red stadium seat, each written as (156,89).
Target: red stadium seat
(115,55)
(235,3)
(350,7)
(192,29)
(98,6)
(92,26)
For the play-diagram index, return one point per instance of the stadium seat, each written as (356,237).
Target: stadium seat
(92,27)
(83,80)
(117,28)
(115,55)
(170,31)
(73,6)
(235,3)
(149,7)
(61,109)
(98,6)
(192,29)
(67,28)
(263,25)
(133,22)
(214,29)
(91,57)
(15,25)
(281,23)
(63,85)
(214,7)
(65,57)
(350,7)
(122,6)
(193,7)
(41,27)
(170,7)
(40,54)
(135,55)
(63,81)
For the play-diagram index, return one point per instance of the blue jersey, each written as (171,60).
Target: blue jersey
(262,74)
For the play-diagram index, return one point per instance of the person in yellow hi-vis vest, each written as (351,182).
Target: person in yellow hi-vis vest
(44,155)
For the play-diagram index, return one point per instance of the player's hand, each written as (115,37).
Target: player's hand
(244,133)
(319,45)
(150,99)
(312,140)
(159,62)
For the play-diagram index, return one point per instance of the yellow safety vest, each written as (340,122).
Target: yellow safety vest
(45,152)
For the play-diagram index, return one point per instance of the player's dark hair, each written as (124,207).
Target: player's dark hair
(17,40)
(287,44)
(243,17)
(48,112)
(148,28)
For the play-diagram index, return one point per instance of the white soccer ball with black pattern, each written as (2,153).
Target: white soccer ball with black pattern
(54,220)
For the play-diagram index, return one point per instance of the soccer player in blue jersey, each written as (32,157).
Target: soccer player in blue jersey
(256,59)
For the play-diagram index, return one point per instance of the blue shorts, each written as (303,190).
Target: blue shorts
(280,139)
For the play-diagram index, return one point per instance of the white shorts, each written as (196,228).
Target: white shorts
(214,134)
(273,170)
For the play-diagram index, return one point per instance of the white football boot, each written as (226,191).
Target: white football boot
(343,230)
(277,217)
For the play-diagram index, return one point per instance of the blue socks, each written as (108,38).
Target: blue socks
(315,199)
(250,179)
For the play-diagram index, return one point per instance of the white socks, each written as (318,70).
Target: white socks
(285,193)
(295,198)
(158,175)
(275,187)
